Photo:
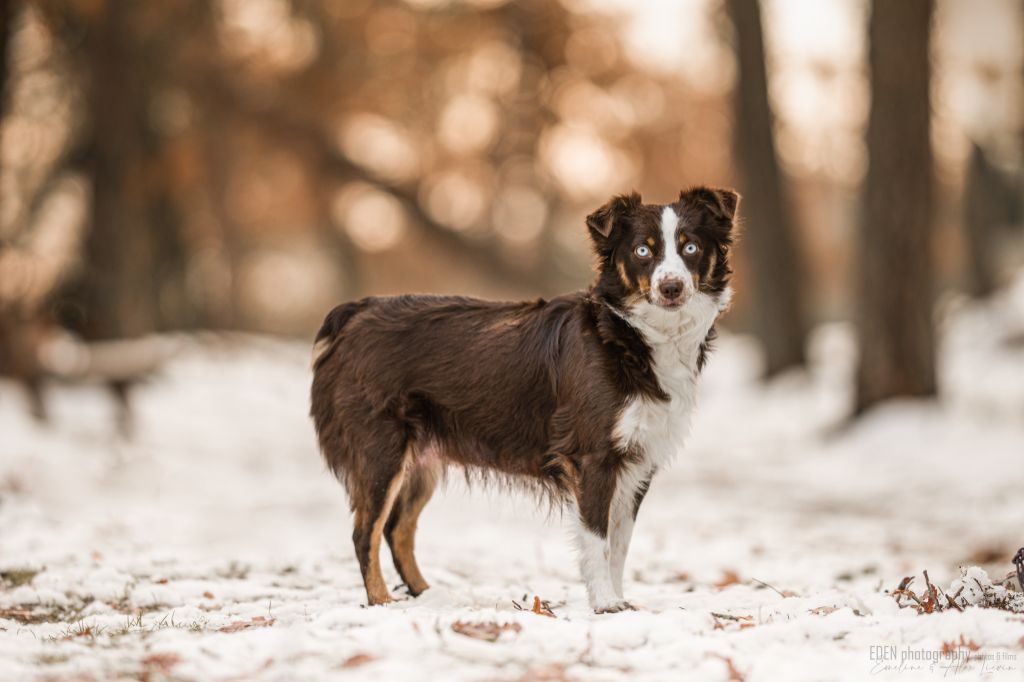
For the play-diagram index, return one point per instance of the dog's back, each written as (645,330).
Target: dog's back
(473,378)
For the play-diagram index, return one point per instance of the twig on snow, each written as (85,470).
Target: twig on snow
(761,582)
(933,597)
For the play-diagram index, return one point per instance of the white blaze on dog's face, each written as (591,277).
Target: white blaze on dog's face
(672,282)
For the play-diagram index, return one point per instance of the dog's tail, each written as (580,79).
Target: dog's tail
(332,326)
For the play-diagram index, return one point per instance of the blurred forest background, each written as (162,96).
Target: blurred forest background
(247,164)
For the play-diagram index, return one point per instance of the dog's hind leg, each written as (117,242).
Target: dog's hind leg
(372,499)
(400,531)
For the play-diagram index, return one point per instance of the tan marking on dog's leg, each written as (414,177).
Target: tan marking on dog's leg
(403,536)
(376,589)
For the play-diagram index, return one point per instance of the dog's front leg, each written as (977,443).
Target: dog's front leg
(631,487)
(594,494)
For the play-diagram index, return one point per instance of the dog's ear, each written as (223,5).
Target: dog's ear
(720,203)
(602,222)
(718,208)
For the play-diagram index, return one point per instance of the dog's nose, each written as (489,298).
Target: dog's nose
(671,289)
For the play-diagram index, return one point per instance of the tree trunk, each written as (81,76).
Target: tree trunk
(133,280)
(983,210)
(776,266)
(6,29)
(895,297)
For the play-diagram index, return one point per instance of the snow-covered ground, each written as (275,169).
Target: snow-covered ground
(215,546)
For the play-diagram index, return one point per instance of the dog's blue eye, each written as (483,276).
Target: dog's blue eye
(642,251)
(690,248)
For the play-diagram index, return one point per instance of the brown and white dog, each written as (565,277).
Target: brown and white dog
(586,395)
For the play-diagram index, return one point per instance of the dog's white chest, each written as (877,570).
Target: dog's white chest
(657,427)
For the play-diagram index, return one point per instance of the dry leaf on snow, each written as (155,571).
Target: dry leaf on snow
(728,578)
(489,632)
(743,622)
(541,610)
(969,644)
(164,662)
(254,622)
(734,674)
(358,660)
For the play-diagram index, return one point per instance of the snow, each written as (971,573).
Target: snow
(978,589)
(215,546)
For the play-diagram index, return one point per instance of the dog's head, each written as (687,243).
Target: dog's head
(664,254)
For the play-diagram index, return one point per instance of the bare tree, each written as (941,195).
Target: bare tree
(135,259)
(6,28)
(895,296)
(771,245)
(987,206)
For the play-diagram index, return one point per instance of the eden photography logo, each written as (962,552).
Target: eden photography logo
(947,661)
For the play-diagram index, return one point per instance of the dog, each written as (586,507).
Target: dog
(586,395)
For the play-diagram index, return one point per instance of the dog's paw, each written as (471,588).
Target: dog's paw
(615,607)
(380,600)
